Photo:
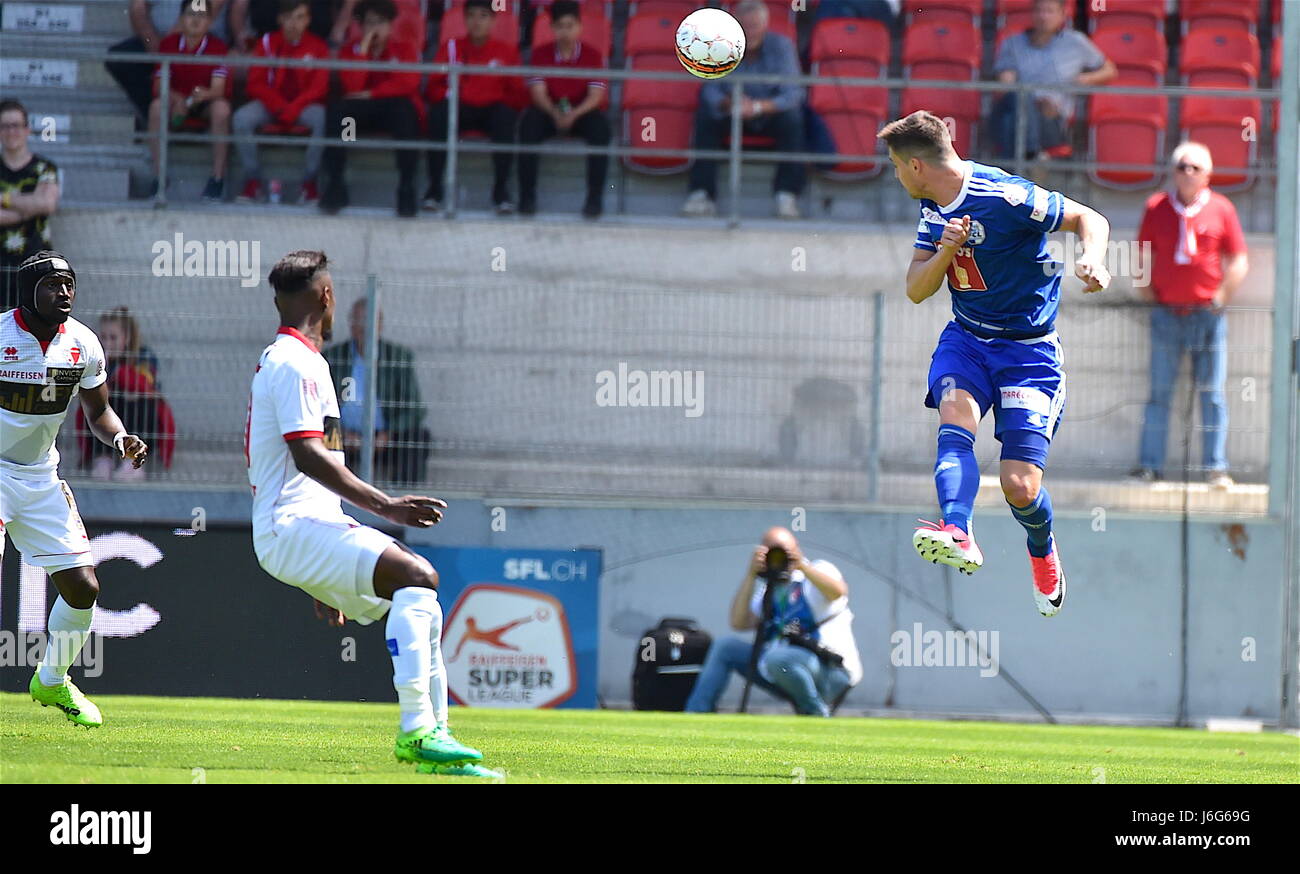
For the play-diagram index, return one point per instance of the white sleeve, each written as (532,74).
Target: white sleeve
(821,605)
(299,402)
(95,373)
(756,601)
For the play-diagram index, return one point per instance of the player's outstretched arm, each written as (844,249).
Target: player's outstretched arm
(926,272)
(106,425)
(1093,232)
(312,458)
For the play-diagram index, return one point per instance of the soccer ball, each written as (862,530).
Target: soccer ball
(710,43)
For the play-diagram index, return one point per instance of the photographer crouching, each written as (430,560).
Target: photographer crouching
(805,652)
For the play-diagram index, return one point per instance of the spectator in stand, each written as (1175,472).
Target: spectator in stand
(375,101)
(401,440)
(1050,54)
(250,20)
(774,110)
(133,391)
(29,195)
(884,11)
(573,107)
(285,96)
(198,92)
(151,20)
(1196,263)
(488,104)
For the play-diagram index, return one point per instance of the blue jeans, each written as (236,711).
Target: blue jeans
(785,671)
(1204,333)
(1040,132)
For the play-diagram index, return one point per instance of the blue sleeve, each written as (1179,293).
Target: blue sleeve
(788,96)
(711,94)
(923,240)
(1033,206)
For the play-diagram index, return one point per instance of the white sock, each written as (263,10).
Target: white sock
(437,673)
(68,629)
(407,635)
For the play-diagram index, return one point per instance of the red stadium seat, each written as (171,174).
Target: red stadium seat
(1219,14)
(653,34)
(1144,14)
(944,52)
(505,26)
(853,113)
(665,107)
(1219,123)
(1128,129)
(943,11)
(780,17)
(1277,76)
(1135,48)
(859,39)
(1217,58)
(674,9)
(597,30)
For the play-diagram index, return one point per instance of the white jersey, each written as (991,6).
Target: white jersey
(38,381)
(292,397)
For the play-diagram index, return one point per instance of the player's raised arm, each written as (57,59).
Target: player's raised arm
(926,272)
(1093,231)
(312,458)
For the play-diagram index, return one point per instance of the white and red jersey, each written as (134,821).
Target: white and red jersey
(38,381)
(292,397)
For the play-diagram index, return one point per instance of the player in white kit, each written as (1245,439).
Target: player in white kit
(46,359)
(302,536)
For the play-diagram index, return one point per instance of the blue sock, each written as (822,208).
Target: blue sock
(1037,519)
(956,475)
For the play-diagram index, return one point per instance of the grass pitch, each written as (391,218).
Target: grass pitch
(184,740)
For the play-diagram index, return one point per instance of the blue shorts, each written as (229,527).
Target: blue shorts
(1022,380)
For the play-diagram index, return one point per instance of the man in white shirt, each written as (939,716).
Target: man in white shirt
(46,359)
(807,654)
(302,537)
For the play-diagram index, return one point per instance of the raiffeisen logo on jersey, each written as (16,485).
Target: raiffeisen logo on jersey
(505,646)
(559,570)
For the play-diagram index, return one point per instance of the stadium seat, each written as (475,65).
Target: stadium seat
(780,17)
(674,9)
(853,113)
(1218,122)
(1217,58)
(946,52)
(1219,14)
(669,106)
(276,129)
(597,29)
(651,34)
(842,39)
(1135,49)
(943,11)
(505,27)
(1135,14)
(1276,70)
(1129,128)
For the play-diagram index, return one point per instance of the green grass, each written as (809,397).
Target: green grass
(162,740)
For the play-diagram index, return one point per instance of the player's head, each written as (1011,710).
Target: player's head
(14,128)
(1192,165)
(920,148)
(566,22)
(479,17)
(294,18)
(304,290)
(47,287)
(195,19)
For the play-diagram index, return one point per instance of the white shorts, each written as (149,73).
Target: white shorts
(334,562)
(40,516)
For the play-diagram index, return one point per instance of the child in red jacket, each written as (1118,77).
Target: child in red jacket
(285,96)
(488,104)
(198,91)
(375,101)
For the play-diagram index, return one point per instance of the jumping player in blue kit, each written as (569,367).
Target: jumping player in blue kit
(985,230)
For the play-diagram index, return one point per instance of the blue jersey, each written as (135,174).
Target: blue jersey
(1004,283)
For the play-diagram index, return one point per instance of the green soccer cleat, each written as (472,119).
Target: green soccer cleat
(464,769)
(79,709)
(434,745)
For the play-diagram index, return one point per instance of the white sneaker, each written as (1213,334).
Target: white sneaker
(699,204)
(1219,479)
(787,205)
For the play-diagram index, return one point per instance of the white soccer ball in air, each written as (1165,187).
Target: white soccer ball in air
(710,43)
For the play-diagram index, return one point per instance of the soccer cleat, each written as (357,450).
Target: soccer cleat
(79,709)
(947,544)
(1049,581)
(465,769)
(434,745)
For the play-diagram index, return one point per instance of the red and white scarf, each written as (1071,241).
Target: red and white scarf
(1186,236)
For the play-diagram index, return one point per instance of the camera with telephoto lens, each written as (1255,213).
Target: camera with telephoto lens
(776,566)
(776,571)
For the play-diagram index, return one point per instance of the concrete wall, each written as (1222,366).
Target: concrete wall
(1113,653)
